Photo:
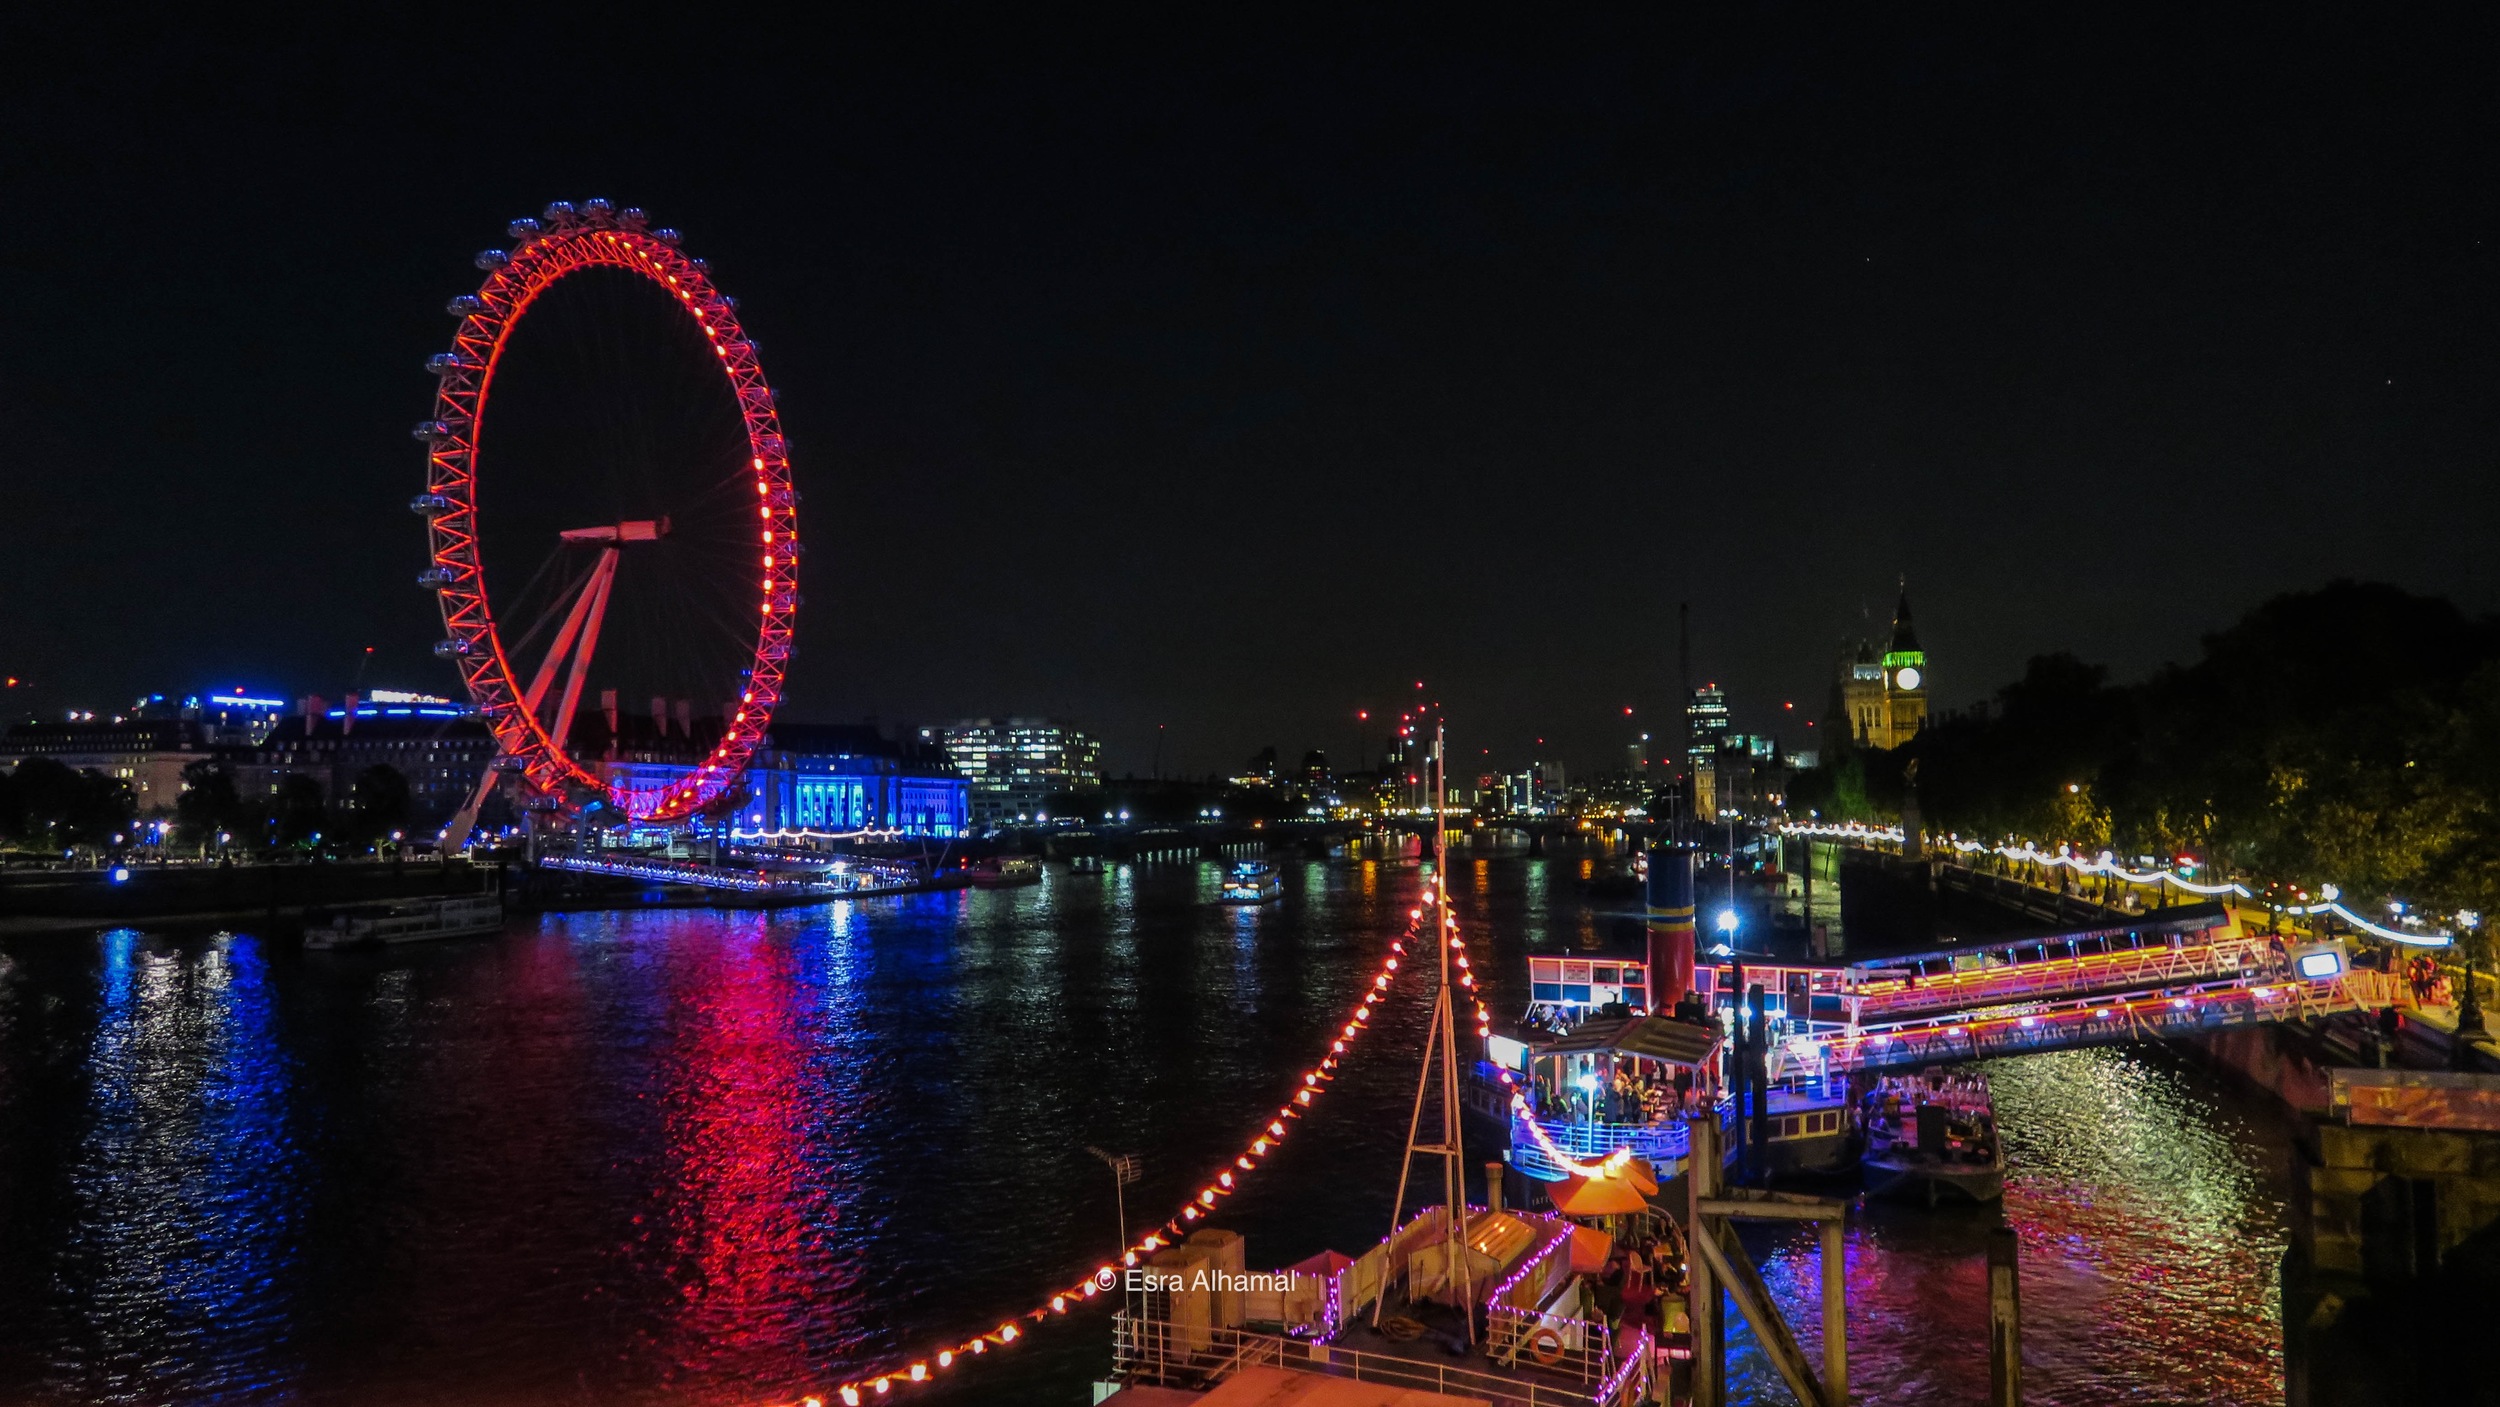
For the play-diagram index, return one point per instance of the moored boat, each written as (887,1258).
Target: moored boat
(415,921)
(1932,1137)
(1006,872)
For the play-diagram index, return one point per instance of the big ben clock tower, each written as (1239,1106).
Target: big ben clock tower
(1905,676)
(1881,700)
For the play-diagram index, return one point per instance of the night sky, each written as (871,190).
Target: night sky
(1236,379)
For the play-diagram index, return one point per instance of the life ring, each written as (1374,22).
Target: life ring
(1546,1345)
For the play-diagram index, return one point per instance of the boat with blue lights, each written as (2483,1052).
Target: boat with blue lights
(1251,882)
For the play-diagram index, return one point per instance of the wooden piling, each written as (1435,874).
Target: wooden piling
(1701,1180)
(2005,1321)
(1835,1313)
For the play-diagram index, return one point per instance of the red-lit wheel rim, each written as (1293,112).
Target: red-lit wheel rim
(595,239)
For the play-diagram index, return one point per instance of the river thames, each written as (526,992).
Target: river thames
(722,1157)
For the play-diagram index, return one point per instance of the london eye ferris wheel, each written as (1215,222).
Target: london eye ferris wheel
(614,533)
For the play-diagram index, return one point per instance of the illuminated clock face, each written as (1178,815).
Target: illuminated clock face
(1907,679)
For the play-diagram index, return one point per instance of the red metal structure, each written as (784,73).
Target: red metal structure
(568,241)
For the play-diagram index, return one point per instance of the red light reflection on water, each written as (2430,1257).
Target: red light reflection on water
(2149,1304)
(740,1227)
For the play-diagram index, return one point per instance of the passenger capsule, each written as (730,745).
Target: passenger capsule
(436,578)
(430,505)
(432,431)
(451,649)
(445,363)
(465,305)
(700,266)
(772,444)
(597,209)
(558,212)
(632,217)
(665,235)
(491,259)
(524,228)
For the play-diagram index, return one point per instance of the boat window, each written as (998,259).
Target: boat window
(1545,969)
(1575,972)
(1633,973)
(1576,992)
(1546,991)
(1606,973)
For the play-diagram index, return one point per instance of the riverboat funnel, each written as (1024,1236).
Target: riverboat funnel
(1670,920)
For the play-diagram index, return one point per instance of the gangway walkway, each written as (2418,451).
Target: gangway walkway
(2174,973)
(2197,944)
(2189,1008)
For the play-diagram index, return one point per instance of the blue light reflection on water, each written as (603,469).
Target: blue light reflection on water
(186,1186)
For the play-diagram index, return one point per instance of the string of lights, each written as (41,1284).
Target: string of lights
(1611,1163)
(2107,864)
(1226,1181)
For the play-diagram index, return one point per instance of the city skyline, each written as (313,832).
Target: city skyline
(1291,355)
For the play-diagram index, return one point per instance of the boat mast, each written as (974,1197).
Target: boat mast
(1441,1048)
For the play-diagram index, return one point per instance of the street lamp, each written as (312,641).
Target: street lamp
(2470,1002)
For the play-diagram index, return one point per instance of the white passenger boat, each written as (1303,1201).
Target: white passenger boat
(414,921)
(1252,882)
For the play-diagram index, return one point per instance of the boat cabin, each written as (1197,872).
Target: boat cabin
(1610,1083)
(1562,1318)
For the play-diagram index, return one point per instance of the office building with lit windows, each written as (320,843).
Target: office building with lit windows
(1014,765)
(145,754)
(1705,723)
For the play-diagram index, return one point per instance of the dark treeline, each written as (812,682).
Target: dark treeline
(47,807)
(2349,735)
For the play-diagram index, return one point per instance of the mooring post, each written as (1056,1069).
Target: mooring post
(2005,1322)
(1758,1071)
(1701,1181)
(1835,1313)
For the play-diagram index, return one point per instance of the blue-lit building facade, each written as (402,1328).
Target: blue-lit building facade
(828,778)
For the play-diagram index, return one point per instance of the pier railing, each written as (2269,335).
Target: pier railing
(1561,1343)
(1165,1353)
(2152,965)
(2180,1011)
(750,879)
(1662,1144)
